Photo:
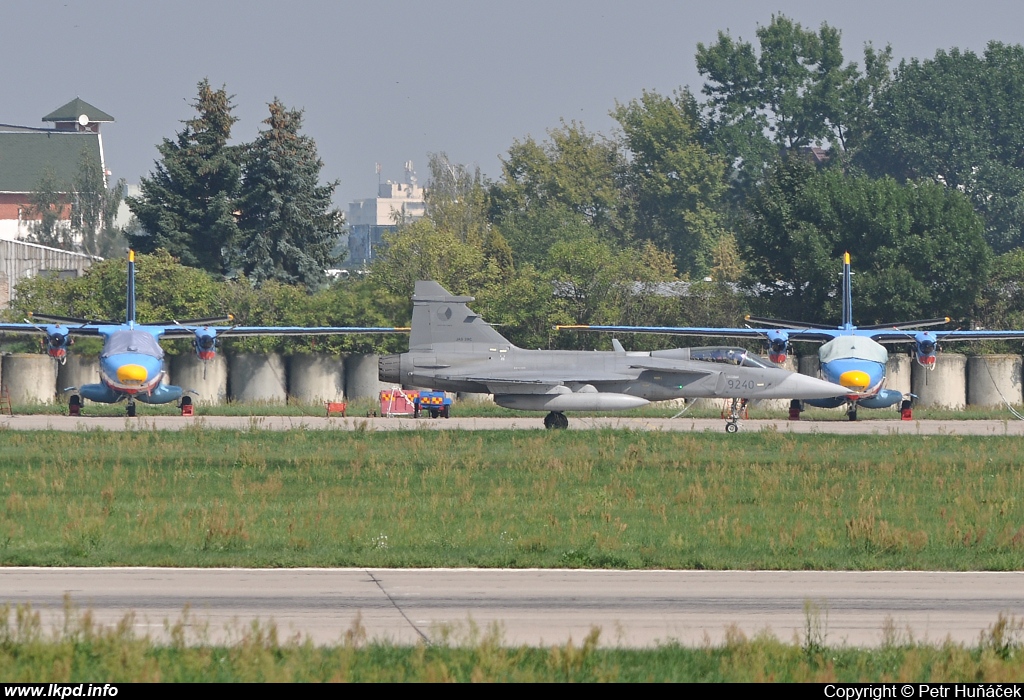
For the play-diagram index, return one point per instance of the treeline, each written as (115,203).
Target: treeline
(695,210)
(698,209)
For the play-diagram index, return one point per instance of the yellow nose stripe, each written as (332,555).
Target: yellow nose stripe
(854,379)
(131,373)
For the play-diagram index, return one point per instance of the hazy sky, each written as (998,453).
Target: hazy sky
(386,82)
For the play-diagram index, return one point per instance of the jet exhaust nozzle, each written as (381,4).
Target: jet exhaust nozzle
(389,369)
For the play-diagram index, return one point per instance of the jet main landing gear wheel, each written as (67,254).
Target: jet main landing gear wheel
(556,421)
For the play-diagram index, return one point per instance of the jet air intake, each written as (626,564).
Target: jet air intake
(583,401)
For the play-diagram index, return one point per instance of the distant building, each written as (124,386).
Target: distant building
(19,260)
(28,153)
(369,219)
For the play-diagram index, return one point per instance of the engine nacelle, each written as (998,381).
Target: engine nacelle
(57,342)
(205,343)
(778,346)
(925,347)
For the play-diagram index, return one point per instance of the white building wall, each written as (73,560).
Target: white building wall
(19,260)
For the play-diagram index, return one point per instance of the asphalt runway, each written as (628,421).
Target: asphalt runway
(538,607)
(838,427)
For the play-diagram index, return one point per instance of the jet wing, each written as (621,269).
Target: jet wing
(796,334)
(183,331)
(536,383)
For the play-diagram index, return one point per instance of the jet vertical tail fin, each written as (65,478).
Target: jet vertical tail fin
(847,294)
(440,317)
(130,302)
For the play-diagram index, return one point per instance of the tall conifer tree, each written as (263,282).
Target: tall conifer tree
(188,204)
(288,226)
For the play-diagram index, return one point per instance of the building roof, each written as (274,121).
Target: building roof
(26,157)
(73,109)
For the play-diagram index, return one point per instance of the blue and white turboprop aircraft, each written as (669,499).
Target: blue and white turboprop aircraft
(851,356)
(132,361)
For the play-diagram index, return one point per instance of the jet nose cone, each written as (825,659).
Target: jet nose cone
(800,386)
(132,373)
(855,379)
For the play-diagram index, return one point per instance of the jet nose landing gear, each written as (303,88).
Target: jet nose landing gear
(556,421)
(737,410)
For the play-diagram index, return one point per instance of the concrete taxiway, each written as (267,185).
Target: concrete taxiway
(632,608)
(840,427)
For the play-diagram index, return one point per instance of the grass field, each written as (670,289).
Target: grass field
(84,652)
(505,498)
(365,407)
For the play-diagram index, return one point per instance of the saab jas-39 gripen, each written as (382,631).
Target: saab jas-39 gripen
(132,361)
(453,349)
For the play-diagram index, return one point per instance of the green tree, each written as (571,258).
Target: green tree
(599,283)
(49,202)
(918,249)
(287,226)
(165,289)
(574,170)
(956,119)
(793,92)
(188,204)
(93,209)
(676,184)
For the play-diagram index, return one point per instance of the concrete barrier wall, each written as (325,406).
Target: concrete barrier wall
(956,381)
(993,380)
(809,365)
(942,387)
(76,371)
(361,377)
(898,372)
(207,378)
(30,378)
(257,378)
(316,378)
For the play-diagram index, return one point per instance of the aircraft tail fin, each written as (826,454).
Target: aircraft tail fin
(440,317)
(130,303)
(847,293)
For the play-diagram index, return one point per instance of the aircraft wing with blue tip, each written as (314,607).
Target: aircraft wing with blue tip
(184,331)
(42,328)
(898,336)
(808,334)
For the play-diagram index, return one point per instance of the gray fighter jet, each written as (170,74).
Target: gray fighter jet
(453,349)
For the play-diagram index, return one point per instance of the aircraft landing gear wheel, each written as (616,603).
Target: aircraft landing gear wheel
(75,405)
(852,413)
(556,421)
(731,427)
(796,407)
(131,409)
